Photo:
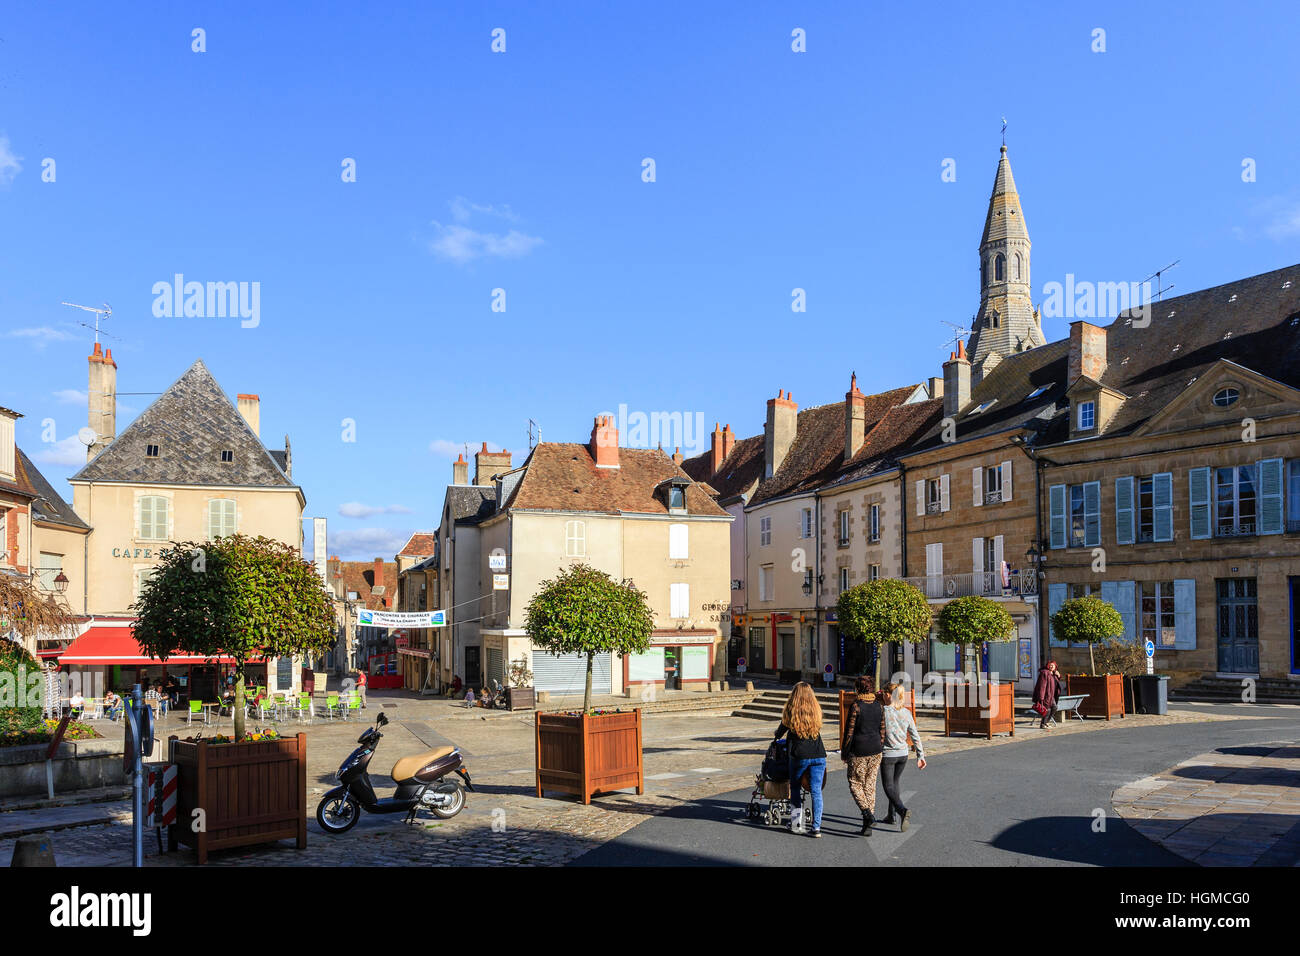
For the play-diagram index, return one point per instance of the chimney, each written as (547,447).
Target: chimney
(956,382)
(8,456)
(377,588)
(604,442)
(102,400)
(250,406)
(460,471)
(934,386)
(728,441)
(717,449)
(677,457)
(779,431)
(1087,352)
(855,419)
(489,463)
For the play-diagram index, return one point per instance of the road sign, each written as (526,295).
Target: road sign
(1151,648)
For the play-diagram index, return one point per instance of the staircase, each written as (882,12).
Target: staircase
(1228,690)
(769,705)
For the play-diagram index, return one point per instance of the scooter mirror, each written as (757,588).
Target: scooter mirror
(382,719)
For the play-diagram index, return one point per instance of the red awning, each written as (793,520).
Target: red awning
(105,646)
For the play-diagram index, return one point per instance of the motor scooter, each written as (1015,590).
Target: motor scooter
(419,778)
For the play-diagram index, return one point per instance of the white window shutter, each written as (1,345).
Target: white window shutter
(1198,481)
(1185,614)
(167,510)
(997,558)
(139,516)
(1124,510)
(977,555)
(977,481)
(945,502)
(1006,480)
(1056,523)
(1271,515)
(920,498)
(1162,506)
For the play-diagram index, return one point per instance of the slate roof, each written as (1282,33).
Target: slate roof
(471,504)
(817,454)
(740,471)
(192,422)
(559,476)
(49,507)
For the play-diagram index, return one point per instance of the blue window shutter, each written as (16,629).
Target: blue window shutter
(1091,514)
(1271,520)
(1056,498)
(1124,510)
(1185,614)
(1127,605)
(1198,480)
(1162,501)
(1055,598)
(1110,593)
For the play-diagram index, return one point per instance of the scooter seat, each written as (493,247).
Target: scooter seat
(408,767)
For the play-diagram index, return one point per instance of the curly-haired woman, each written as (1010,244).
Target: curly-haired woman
(802,720)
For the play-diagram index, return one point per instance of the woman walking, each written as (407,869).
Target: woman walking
(802,720)
(862,747)
(1047,690)
(899,725)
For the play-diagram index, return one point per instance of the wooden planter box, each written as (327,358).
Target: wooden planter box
(961,717)
(847,697)
(250,793)
(521,698)
(585,755)
(1105,694)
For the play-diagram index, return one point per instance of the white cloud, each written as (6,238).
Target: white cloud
(365,544)
(70,396)
(10,165)
(355,509)
(42,336)
(460,244)
(453,449)
(462,209)
(70,451)
(1284,219)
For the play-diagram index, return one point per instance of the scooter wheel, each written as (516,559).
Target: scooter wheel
(338,814)
(450,810)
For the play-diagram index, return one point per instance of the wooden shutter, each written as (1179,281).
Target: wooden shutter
(1162,506)
(920,498)
(1198,480)
(1272,518)
(1055,598)
(997,561)
(678,541)
(1121,595)
(1005,467)
(1056,520)
(1091,514)
(977,480)
(944,501)
(1185,614)
(1124,510)
(977,558)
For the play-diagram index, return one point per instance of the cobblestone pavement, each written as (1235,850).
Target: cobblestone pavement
(1235,806)
(688,757)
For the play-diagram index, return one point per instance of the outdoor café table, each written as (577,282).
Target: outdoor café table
(212,707)
(1067,704)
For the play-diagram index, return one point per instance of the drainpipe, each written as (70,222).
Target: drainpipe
(902,510)
(1040,573)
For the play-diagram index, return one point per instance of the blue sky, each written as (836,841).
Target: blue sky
(522,171)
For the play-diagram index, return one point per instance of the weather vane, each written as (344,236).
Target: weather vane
(1004,131)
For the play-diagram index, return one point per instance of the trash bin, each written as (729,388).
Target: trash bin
(1153,694)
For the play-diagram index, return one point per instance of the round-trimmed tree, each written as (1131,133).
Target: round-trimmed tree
(1087,620)
(973,620)
(586,611)
(884,610)
(236,597)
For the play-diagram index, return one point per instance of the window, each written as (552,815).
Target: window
(844,528)
(575,539)
(1075,515)
(1146,512)
(678,541)
(806,523)
(844,580)
(1238,625)
(221,518)
(1087,415)
(353,596)
(765,531)
(1080,590)
(1292,497)
(227,456)
(992,486)
(50,566)
(984,406)
(1234,501)
(993,560)
(873,573)
(873,528)
(1040,389)
(1226,396)
(154,514)
(1158,622)
(151,451)
(765,583)
(141,576)
(999,268)
(1017,267)
(680,595)
(676,498)
(933,497)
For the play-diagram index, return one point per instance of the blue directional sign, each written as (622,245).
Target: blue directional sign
(1151,648)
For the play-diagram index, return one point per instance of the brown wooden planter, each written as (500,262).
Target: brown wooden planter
(521,698)
(249,792)
(1105,694)
(847,697)
(960,717)
(586,754)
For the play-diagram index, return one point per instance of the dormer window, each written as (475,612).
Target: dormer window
(675,494)
(151,451)
(227,456)
(1226,396)
(1087,415)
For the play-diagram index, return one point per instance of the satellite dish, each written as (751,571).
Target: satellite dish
(87,436)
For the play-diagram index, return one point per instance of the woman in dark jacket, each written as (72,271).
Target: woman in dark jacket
(1047,690)
(802,720)
(862,746)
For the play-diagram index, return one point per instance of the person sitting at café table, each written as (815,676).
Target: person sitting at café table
(77,705)
(112,705)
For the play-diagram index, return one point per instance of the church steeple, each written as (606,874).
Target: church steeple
(1006,321)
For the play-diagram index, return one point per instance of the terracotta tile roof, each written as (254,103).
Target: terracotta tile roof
(359,576)
(559,476)
(740,472)
(889,438)
(421,544)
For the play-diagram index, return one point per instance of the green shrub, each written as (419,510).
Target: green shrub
(22,689)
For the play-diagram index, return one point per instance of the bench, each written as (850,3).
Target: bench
(1069,704)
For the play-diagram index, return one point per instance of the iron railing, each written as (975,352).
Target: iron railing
(984,583)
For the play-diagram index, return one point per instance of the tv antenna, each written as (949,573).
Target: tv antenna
(959,332)
(534,434)
(1157,276)
(100,316)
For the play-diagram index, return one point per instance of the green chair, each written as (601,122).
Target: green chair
(302,707)
(196,710)
(268,705)
(332,708)
(353,703)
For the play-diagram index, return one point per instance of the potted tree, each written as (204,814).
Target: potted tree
(1117,656)
(236,598)
(973,621)
(520,694)
(1091,620)
(586,611)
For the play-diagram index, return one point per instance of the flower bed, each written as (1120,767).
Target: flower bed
(44,734)
(250,738)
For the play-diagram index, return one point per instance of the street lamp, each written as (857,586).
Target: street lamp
(60,582)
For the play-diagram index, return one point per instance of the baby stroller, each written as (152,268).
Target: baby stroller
(772,785)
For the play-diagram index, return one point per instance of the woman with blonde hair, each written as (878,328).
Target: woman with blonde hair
(802,720)
(900,731)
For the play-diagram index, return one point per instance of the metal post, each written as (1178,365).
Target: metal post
(137,797)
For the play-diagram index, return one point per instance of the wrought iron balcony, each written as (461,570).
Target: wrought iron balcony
(1242,529)
(985,584)
(993,497)
(933,507)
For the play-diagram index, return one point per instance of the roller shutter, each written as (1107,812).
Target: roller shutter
(567,673)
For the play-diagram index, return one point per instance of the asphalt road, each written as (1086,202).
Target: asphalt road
(1036,803)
